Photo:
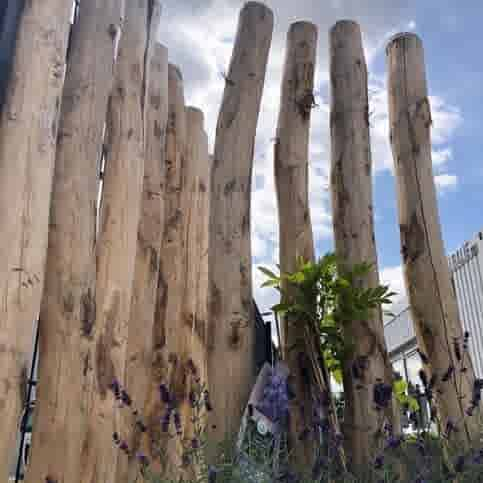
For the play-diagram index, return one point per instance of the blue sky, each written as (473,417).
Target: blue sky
(199,36)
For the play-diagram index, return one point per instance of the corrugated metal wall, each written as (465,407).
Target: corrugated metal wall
(466,266)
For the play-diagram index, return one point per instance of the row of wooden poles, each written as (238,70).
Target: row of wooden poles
(158,286)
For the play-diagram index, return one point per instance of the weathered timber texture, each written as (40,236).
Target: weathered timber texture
(190,343)
(196,231)
(295,227)
(68,307)
(28,133)
(231,360)
(166,368)
(150,230)
(117,243)
(426,272)
(351,187)
(202,237)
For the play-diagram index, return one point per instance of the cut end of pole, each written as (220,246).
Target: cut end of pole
(401,37)
(303,31)
(258,8)
(346,25)
(303,25)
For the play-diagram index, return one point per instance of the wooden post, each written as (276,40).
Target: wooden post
(296,239)
(431,296)
(68,307)
(351,186)
(196,230)
(117,244)
(28,134)
(231,361)
(190,342)
(203,237)
(150,231)
(163,450)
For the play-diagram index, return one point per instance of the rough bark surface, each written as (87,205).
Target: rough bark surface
(68,306)
(351,187)
(196,235)
(150,231)
(28,133)
(117,243)
(231,360)
(191,338)
(296,239)
(431,295)
(167,333)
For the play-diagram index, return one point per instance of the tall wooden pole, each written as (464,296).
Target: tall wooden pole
(231,361)
(150,233)
(117,243)
(162,449)
(196,231)
(28,134)
(68,306)
(351,186)
(431,296)
(296,239)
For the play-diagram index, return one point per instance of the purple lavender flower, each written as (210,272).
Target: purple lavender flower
(125,398)
(116,388)
(394,442)
(165,419)
(275,399)
(123,446)
(382,394)
(379,462)
(177,422)
(164,394)
(212,474)
(142,459)
(459,464)
(207,400)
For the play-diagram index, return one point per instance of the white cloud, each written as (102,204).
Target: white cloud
(445,182)
(441,156)
(446,119)
(393,276)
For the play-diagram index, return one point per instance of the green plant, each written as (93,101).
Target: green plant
(320,295)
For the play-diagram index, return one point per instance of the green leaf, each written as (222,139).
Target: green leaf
(268,273)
